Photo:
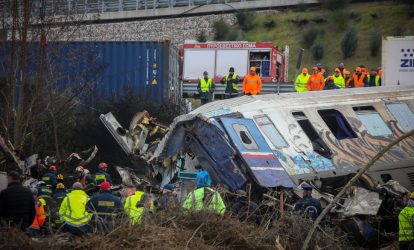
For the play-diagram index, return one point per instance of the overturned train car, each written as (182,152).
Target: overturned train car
(280,140)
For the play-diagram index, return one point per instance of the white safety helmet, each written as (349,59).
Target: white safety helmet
(79,169)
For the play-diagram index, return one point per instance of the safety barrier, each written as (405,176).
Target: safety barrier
(190,89)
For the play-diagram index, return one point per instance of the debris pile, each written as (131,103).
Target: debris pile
(173,230)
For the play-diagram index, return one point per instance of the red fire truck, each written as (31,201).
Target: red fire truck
(217,57)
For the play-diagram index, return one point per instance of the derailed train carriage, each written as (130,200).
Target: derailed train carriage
(272,142)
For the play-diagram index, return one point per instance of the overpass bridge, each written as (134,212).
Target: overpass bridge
(107,10)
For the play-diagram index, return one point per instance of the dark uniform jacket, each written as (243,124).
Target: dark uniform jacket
(104,205)
(309,205)
(101,176)
(17,205)
(50,179)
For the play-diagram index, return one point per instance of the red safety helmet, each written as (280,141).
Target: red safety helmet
(103,165)
(52,168)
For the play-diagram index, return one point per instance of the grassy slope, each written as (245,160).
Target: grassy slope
(286,32)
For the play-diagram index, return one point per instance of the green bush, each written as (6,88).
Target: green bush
(349,43)
(245,19)
(270,24)
(398,31)
(317,51)
(201,37)
(340,19)
(309,37)
(334,4)
(220,28)
(375,43)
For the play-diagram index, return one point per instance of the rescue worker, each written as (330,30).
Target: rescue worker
(50,177)
(40,216)
(379,70)
(59,178)
(316,81)
(137,205)
(307,204)
(17,206)
(44,190)
(73,212)
(204,197)
(205,88)
(104,206)
(338,80)
(359,79)
(58,196)
(84,176)
(373,79)
(60,193)
(102,175)
(231,82)
(301,81)
(347,78)
(168,197)
(406,226)
(341,68)
(252,83)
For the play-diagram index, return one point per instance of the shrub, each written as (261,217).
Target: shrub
(309,37)
(245,19)
(399,31)
(334,4)
(270,24)
(220,28)
(375,43)
(201,37)
(317,51)
(349,43)
(340,19)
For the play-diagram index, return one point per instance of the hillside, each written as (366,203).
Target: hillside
(366,18)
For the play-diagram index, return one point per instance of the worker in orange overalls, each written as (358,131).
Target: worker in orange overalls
(316,81)
(40,217)
(359,79)
(252,84)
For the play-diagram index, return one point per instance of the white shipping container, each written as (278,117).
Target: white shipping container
(398,61)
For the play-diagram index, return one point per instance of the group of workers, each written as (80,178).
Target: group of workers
(82,210)
(252,85)
(341,78)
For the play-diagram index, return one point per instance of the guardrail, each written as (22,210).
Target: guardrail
(190,89)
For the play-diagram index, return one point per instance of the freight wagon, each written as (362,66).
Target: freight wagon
(150,69)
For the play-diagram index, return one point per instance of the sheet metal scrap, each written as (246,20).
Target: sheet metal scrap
(362,201)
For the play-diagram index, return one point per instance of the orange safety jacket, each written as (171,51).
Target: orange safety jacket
(358,82)
(252,84)
(315,82)
(40,218)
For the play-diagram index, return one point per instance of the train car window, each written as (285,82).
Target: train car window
(269,129)
(337,123)
(372,121)
(403,114)
(319,146)
(245,137)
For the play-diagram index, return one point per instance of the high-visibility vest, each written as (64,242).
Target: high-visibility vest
(358,82)
(315,82)
(205,86)
(376,79)
(339,81)
(405,221)
(73,209)
(235,84)
(40,216)
(197,201)
(301,81)
(135,212)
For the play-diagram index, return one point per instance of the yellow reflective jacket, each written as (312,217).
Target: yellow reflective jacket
(205,86)
(300,84)
(339,81)
(135,212)
(204,198)
(73,209)
(405,221)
